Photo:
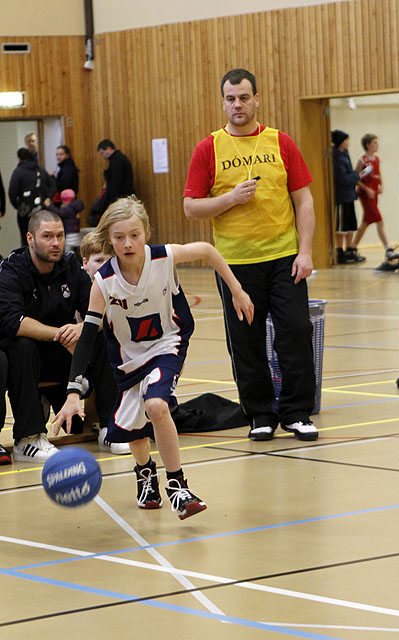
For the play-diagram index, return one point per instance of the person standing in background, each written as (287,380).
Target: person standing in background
(368,189)
(263,220)
(2,198)
(29,190)
(118,179)
(345,181)
(32,143)
(67,174)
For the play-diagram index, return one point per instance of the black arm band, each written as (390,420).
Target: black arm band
(83,351)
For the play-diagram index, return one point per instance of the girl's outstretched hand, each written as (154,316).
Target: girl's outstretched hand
(72,406)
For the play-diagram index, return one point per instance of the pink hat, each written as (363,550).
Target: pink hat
(67,195)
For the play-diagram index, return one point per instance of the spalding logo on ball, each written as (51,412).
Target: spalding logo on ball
(72,477)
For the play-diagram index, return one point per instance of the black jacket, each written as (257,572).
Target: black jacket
(23,178)
(119,181)
(2,196)
(345,178)
(68,176)
(50,298)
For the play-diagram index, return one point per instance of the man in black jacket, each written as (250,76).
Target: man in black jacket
(2,198)
(29,190)
(118,179)
(40,291)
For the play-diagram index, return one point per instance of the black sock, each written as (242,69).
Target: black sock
(150,462)
(174,475)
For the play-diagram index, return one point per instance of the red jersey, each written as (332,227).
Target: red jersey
(373,179)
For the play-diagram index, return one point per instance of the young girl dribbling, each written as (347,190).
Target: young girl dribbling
(147,325)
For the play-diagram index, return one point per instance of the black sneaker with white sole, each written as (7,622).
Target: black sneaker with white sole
(302,430)
(261,433)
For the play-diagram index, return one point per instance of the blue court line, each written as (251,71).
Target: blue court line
(357,404)
(213,536)
(170,607)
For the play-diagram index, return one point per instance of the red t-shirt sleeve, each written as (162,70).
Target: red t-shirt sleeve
(201,172)
(298,175)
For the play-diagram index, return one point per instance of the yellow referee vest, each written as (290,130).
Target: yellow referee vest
(263,228)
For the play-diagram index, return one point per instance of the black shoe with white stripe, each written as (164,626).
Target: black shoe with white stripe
(34,448)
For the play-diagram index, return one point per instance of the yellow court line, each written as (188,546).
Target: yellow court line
(361,393)
(332,389)
(289,435)
(4,473)
(210,381)
(364,384)
(221,443)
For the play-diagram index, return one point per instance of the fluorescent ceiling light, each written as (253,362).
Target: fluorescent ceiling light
(12,99)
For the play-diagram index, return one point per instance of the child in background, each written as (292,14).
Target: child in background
(69,211)
(345,181)
(147,325)
(93,257)
(369,187)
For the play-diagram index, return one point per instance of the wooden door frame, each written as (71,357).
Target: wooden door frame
(315,147)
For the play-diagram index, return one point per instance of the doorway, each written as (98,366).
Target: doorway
(377,112)
(378,115)
(12,136)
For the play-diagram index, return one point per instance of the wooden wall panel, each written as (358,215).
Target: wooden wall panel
(163,82)
(170,83)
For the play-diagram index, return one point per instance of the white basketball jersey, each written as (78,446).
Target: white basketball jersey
(145,320)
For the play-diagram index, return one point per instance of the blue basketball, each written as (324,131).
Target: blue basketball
(72,477)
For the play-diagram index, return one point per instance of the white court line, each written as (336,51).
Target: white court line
(331,626)
(157,556)
(324,599)
(168,568)
(48,547)
(215,317)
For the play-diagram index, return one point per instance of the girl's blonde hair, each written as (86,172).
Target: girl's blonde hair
(122,209)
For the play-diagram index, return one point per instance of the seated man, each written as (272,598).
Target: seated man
(40,292)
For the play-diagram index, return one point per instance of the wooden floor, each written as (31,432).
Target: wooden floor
(299,539)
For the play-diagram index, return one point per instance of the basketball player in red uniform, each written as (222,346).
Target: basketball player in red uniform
(369,187)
